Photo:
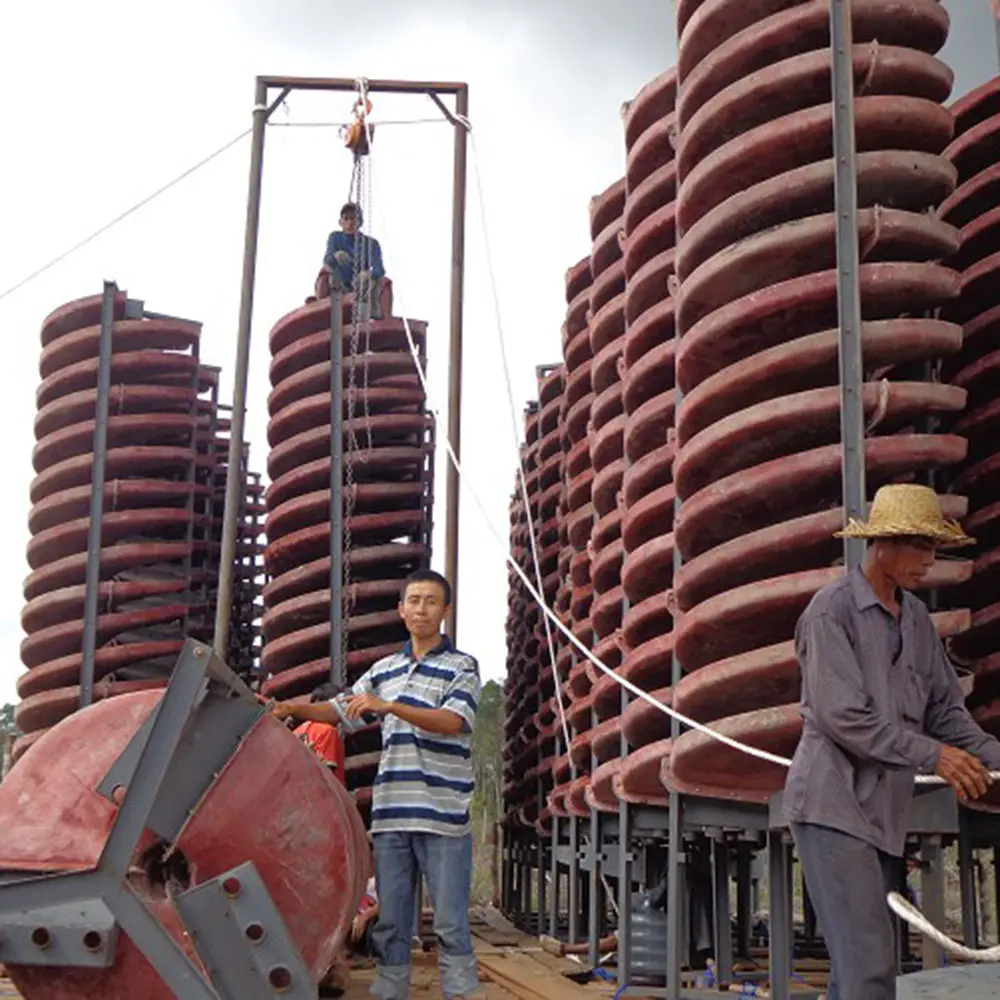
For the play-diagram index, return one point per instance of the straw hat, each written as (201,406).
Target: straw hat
(905,509)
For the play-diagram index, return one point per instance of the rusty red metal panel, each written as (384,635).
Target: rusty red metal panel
(291,818)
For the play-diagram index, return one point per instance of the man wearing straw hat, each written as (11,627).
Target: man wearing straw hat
(880,703)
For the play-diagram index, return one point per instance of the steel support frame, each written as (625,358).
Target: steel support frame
(338,665)
(94,528)
(262,111)
(852,417)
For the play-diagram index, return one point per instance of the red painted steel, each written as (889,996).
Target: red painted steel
(161,521)
(975,209)
(758,460)
(293,805)
(388,441)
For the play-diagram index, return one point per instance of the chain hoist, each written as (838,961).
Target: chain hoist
(361,317)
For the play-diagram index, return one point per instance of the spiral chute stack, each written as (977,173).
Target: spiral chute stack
(161,521)
(758,468)
(388,465)
(975,209)
(647,493)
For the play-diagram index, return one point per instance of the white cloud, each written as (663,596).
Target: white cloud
(122,98)
(107,100)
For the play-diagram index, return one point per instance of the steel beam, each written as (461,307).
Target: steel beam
(230,516)
(371,86)
(456,333)
(852,417)
(94,528)
(262,112)
(338,667)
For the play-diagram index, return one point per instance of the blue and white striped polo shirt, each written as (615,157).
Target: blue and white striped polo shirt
(425,780)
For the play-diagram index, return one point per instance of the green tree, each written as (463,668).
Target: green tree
(487,800)
(487,747)
(7,720)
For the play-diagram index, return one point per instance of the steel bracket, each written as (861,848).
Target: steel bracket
(242,939)
(83,934)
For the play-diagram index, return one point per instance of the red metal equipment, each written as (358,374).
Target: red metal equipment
(211,813)
(164,476)
(758,466)
(388,466)
(648,495)
(975,209)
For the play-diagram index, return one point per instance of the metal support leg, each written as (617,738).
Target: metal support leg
(722,927)
(574,879)
(543,896)
(967,884)
(624,893)
(848,267)
(338,664)
(676,898)
(595,891)
(780,933)
(744,907)
(554,888)
(94,539)
(932,896)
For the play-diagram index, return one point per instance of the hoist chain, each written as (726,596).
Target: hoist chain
(360,194)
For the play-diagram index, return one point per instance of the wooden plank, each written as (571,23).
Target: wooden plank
(528,979)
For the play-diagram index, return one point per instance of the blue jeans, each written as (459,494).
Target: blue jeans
(446,864)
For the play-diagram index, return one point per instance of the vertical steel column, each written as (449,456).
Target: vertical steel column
(852,426)
(554,870)
(595,890)
(338,666)
(932,899)
(624,868)
(720,910)
(574,879)
(744,908)
(967,884)
(93,577)
(227,549)
(676,896)
(779,868)
(455,351)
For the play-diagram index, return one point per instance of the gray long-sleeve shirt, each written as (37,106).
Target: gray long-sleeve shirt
(877,697)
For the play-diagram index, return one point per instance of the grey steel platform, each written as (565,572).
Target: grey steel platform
(956,982)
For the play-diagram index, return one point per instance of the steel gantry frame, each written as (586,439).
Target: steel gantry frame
(730,836)
(264,107)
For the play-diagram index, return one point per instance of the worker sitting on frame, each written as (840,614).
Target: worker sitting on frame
(357,260)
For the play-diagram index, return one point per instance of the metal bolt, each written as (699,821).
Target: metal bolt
(231,887)
(280,979)
(255,933)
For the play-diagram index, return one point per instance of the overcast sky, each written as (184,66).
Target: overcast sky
(107,100)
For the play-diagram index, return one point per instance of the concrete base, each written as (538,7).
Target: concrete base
(958,982)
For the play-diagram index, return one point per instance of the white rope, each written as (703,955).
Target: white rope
(904,909)
(552,617)
(513,411)
(899,905)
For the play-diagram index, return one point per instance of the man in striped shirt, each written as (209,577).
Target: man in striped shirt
(426,696)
